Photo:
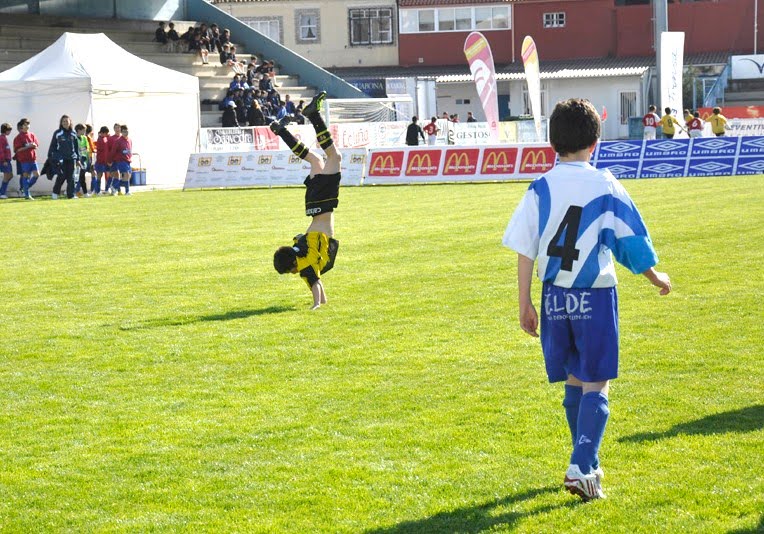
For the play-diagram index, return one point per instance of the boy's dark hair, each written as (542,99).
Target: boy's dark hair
(716,110)
(104,129)
(284,259)
(5,128)
(651,108)
(573,126)
(79,127)
(123,128)
(696,114)
(22,122)
(667,111)
(88,129)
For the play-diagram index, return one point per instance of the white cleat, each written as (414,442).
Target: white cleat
(3,197)
(53,196)
(588,487)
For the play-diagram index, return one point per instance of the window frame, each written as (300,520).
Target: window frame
(373,16)
(299,26)
(411,18)
(554,19)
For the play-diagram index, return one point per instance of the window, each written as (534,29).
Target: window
(270,27)
(371,26)
(462,101)
(449,19)
(628,106)
(527,102)
(307,26)
(554,20)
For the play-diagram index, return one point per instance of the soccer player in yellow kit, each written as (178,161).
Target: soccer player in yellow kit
(313,253)
(667,122)
(718,122)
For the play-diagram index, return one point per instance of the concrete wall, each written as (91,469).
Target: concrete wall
(332,47)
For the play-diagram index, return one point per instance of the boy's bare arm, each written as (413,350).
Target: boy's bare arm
(529,319)
(659,279)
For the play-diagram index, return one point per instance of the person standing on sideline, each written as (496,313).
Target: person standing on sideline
(650,121)
(102,165)
(573,220)
(432,130)
(718,122)
(667,122)
(695,126)
(470,117)
(25,152)
(112,184)
(6,157)
(414,132)
(122,155)
(82,140)
(65,149)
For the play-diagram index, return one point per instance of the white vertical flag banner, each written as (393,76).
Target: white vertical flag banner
(672,64)
(533,77)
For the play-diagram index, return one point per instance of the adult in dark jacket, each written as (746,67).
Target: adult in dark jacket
(414,132)
(255,116)
(64,149)
(229,116)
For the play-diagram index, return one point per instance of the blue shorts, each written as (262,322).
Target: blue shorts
(113,167)
(579,333)
(101,167)
(27,167)
(123,167)
(6,167)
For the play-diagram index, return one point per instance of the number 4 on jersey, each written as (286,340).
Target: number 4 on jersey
(567,251)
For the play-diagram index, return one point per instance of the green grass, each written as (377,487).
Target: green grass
(158,375)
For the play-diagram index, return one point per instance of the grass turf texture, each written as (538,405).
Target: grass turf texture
(159,375)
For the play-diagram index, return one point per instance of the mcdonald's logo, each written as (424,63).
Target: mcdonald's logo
(234,161)
(499,161)
(537,160)
(386,163)
(421,163)
(461,161)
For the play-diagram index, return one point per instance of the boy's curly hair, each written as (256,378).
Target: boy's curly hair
(573,126)
(284,260)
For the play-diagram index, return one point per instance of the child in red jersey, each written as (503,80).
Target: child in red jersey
(121,155)
(25,153)
(102,165)
(5,158)
(112,184)
(695,126)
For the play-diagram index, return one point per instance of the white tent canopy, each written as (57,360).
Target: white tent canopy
(95,81)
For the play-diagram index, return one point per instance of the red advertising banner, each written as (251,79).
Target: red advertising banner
(461,161)
(385,163)
(423,162)
(735,112)
(498,161)
(536,160)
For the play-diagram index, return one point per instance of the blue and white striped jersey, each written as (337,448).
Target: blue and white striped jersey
(571,219)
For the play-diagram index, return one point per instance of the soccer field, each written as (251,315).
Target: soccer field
(159,375)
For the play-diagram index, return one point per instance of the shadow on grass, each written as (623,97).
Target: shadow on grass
(227,316)
(474,519)
(747,419)
(753,530)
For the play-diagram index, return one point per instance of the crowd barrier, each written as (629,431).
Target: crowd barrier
(663,158)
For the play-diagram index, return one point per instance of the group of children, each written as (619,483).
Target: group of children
(73,152)
(693,124)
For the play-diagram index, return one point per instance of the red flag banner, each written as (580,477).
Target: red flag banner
(480,59)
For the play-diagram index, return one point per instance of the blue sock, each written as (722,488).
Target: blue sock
(572,402)
(32,181)
(108,184)
(95,187)
(126,183)
(115,184)
(592,418)
(25,186)
(4,188)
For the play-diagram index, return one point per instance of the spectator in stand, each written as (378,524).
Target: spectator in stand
(225,37)
(25,153)
(289,105)
(241,110)
(281,112)
(228,98)
(718,122)
(265,83)
(650,122)
(273,99)
(470,118)
(695,126)
(248,98)
(251,74)
(112,184)
(84,149)
(122,155)
(102,161)
(172,38)
(414,132)
(64,149)
(229,116)
(237,66)
(198,46)
(299,118)
(188,37)
(255,115)
(204,31)
(215,44)
(160,35)
(5,159)
(235,83)
(431,130)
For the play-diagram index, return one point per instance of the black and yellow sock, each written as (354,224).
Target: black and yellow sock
(297,147)
(323,136)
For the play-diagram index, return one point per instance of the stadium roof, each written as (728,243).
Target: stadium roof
(562,69)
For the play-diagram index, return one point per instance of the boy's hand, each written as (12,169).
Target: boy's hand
(529,319)
(660,280)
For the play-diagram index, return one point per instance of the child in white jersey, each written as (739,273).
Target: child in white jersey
(571,220)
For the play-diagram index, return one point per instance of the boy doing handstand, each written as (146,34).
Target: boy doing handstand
(572,219)
(313,253)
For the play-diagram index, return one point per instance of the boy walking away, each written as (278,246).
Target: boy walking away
(121,155)
(667,122)
(25,152)
(650,121)
(718,122)
(313,253)
(5,159)
(413,133)
(695,126)
(571,219)
(431,130)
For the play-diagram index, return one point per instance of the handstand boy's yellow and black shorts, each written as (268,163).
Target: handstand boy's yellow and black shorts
(322,193)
